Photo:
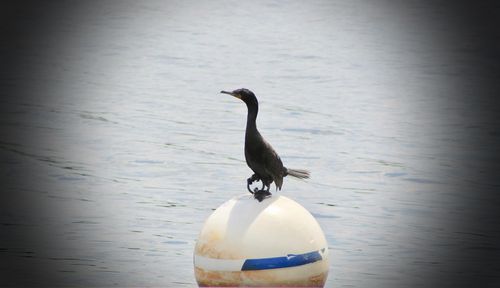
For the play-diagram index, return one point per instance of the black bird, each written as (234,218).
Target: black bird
(259,154)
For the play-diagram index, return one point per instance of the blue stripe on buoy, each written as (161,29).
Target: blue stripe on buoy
(290,260)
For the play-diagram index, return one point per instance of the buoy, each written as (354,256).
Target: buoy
(276,242)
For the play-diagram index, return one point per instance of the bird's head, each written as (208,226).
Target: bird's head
(244,94)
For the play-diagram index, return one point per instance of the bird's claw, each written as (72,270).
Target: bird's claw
(261,194)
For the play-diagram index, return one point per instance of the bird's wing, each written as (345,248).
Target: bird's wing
(273,164)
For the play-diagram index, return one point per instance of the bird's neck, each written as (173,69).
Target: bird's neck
(251,120)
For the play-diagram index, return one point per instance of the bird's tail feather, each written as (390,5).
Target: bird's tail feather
(298,173)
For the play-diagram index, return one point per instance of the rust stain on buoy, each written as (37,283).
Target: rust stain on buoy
(264,278)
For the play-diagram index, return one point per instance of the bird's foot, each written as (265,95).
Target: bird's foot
(261,194)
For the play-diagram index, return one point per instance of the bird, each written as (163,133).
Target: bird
(260,156)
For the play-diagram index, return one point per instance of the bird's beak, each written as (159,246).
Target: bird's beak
(231,93)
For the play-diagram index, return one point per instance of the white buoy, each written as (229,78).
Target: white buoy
(276,242)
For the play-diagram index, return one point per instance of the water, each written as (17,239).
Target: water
(121,145)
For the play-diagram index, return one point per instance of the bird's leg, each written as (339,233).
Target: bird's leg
(250,180)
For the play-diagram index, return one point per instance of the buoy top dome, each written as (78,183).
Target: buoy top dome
(244,228)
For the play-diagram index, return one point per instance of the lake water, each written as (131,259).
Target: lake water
(119,145)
